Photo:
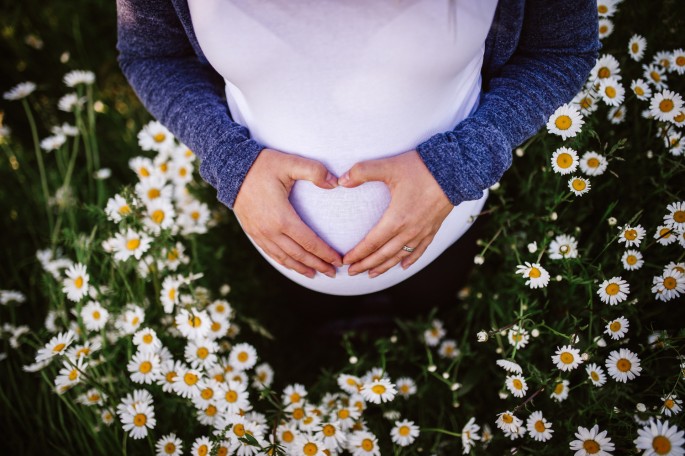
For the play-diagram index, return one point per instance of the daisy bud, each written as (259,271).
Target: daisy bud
(495,186)
(99,107)
(498,350)
(445,375)
(585,356)
(479,259)
(455,386)
(535,332)
(650,154)
(64,58)
(393,339)
(533,247)
(432,368)
(553,216)
(611,221)
(520,152)
(225,289)
(482,336)
(479,295)
(353,360)
(558,278)
(640,407)
(455,404)
(503,395)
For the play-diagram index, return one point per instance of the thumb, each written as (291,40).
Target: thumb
(370,170)
(313,171)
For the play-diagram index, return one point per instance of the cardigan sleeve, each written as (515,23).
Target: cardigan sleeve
(183,93)
(557,48)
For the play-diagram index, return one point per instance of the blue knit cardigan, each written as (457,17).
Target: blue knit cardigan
(538,53)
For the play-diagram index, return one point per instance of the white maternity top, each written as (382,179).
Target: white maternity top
(342,81)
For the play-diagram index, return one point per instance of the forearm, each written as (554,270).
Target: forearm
(540,76)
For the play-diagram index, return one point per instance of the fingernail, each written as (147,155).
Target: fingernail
(373,274)
(310,274)
(332,180)
(330,274)
(337,264)
(352,272)
(344,179)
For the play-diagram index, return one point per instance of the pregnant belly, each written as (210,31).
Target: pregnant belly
(341,216)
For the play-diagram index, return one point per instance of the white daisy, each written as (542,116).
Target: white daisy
(448,349)
(586,102)
(243,356)
(187,382)
(611,91)
(641,89)
(665,105)
(606,27)
(623,365)
(405,387)
(137,419)
(617,329)
(130,244)
(168,371)
(75,285)
(201,353)
(146,340)
(193,325)
(567,358)
(606,67)
(538,427)
(169,295)
(404,433)
(663,59)
(94,316)
(591,442)
(142,166)
(563,246)
(71,102)
(469,435)
(53,142)
(56,346)
(233,397)
(669,285)
(76,77)
(144,367)
(363,443)
(636,47)
(193,218)
(536,275)
(606,8)
(566,121)
(658,438)
(19,91)
(676,216)
(305,445)
(593,164)
(378,391)
(70,375)
(596,374)
(434,334)
(671,405)
(153,188)
(516,385)
(564,160)
(631,236)
(350,384)
(117,208)
(632,260)
(678,61)
(507,421)
(263,376)
(579,185)
(613,291)
(509,366)
(561,390)
(169,445)
(159,215)
(155,136)
(129,322)
(518,337)
(655,75)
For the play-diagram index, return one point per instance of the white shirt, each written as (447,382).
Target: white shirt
(343,81)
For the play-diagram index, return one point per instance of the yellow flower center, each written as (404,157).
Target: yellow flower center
(564,160)
(669,403)
(610,92)
(125,209)
(147,338)
(244,356)
(563,122)
(615,326)
(239,429)
(631,260)
(367,444)
(58,348)
(404,431)
(298,413)
(329,430)
(135,321)
(190,379)
(666,105)
(158,216)
(170,448)
(594,376)
(539,426)
(507,418)
(211,410)
(202,450)
(602,9)
(145,367)
(73,375)
(517,384)
(661,445)
(154,193)
(207,393)
(655,76)
(559,388)
(604,73)
(567,357)
(670,283)
(534,273)
(140,419)
(195,215)
(172,255)
(78,282)
(343,414)
(144,172)
(215,326)
(630,234)
(679,216)
(195,321)
(639,91)
(287,436)
(635,48)
(612,289)
(378,389)
(591,447)
(586,102)
(133,244)
(310,449)
(202,353)
(163,167)
(623,365)
(593,162)
(294,397)
(159,137)
(223,451)
(680,60)
(231,396)
(579,184)
(603,28)
(170,376)
(182,171)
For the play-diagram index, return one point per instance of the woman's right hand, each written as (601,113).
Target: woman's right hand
(266,215)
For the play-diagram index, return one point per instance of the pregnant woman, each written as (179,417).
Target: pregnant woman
(355,140)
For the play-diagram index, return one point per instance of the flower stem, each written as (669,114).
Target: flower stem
(39,159)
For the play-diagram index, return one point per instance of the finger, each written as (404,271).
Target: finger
(387,228)
(391,249)
(416,254)
(299,232)
(394,259)
(282,258)
(296,252)
(313,171)
(370,170)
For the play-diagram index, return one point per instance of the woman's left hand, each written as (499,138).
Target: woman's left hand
(417,208)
